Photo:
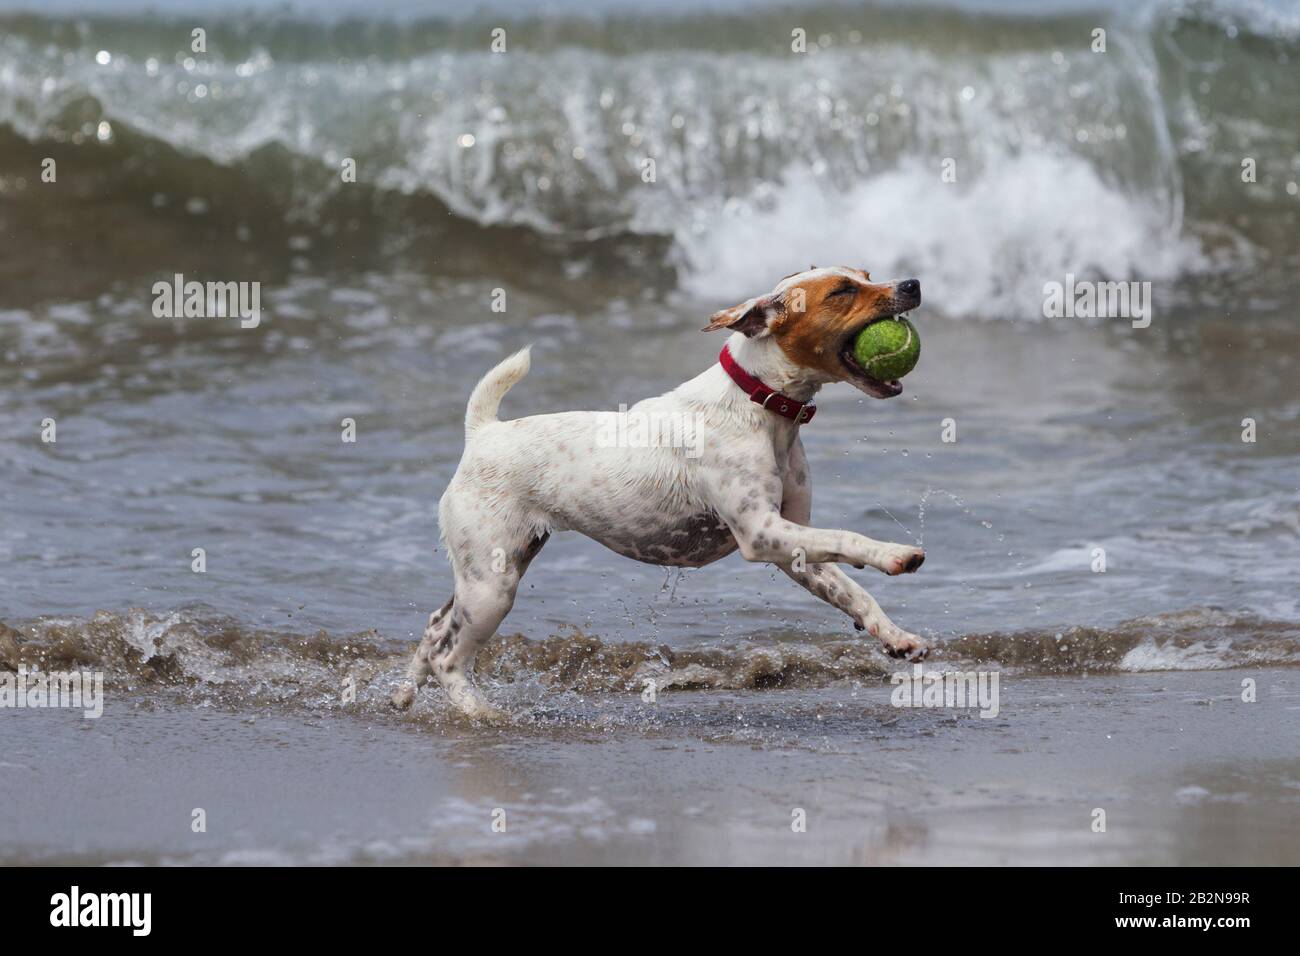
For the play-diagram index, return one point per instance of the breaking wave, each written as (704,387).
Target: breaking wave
(1123,164)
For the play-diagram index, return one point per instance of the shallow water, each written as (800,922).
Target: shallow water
(232,444)
(322,560)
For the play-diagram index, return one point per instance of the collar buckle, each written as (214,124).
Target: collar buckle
(761,394)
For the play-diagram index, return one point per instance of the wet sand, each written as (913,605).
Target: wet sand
(1186,772)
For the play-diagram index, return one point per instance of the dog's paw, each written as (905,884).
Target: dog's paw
(899,643)
(904,561)
(404,696)
(484,714)
(473,704)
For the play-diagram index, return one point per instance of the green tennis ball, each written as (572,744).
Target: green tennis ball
(888,349)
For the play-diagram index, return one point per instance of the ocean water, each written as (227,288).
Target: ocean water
(523,172)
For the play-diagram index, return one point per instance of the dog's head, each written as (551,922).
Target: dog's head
(814,317)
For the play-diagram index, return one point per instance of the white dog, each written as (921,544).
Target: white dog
(742,483)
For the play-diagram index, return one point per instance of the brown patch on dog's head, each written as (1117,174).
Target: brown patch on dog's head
(814,317)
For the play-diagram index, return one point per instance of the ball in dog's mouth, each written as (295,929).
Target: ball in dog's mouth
(888,350)
(881,353)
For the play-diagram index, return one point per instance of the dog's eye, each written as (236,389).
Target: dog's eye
(849,289)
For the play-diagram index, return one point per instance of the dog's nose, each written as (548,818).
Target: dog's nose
(910,287)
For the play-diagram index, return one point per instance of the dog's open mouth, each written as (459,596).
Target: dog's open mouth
(858,375)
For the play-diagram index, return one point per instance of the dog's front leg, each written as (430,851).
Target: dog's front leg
(750,504)
(765,536)
(832,585)
(827,581)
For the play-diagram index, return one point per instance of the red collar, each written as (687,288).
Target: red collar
(770,399)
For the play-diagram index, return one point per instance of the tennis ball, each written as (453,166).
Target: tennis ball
(888,349)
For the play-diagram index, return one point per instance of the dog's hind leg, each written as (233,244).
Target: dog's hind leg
(488,568)
(485,593)
(479,608)
(419,670)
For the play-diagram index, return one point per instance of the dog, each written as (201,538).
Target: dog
(743,485)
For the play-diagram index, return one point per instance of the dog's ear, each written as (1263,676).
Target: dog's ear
(752,317)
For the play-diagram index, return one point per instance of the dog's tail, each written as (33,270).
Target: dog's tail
(491,388)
